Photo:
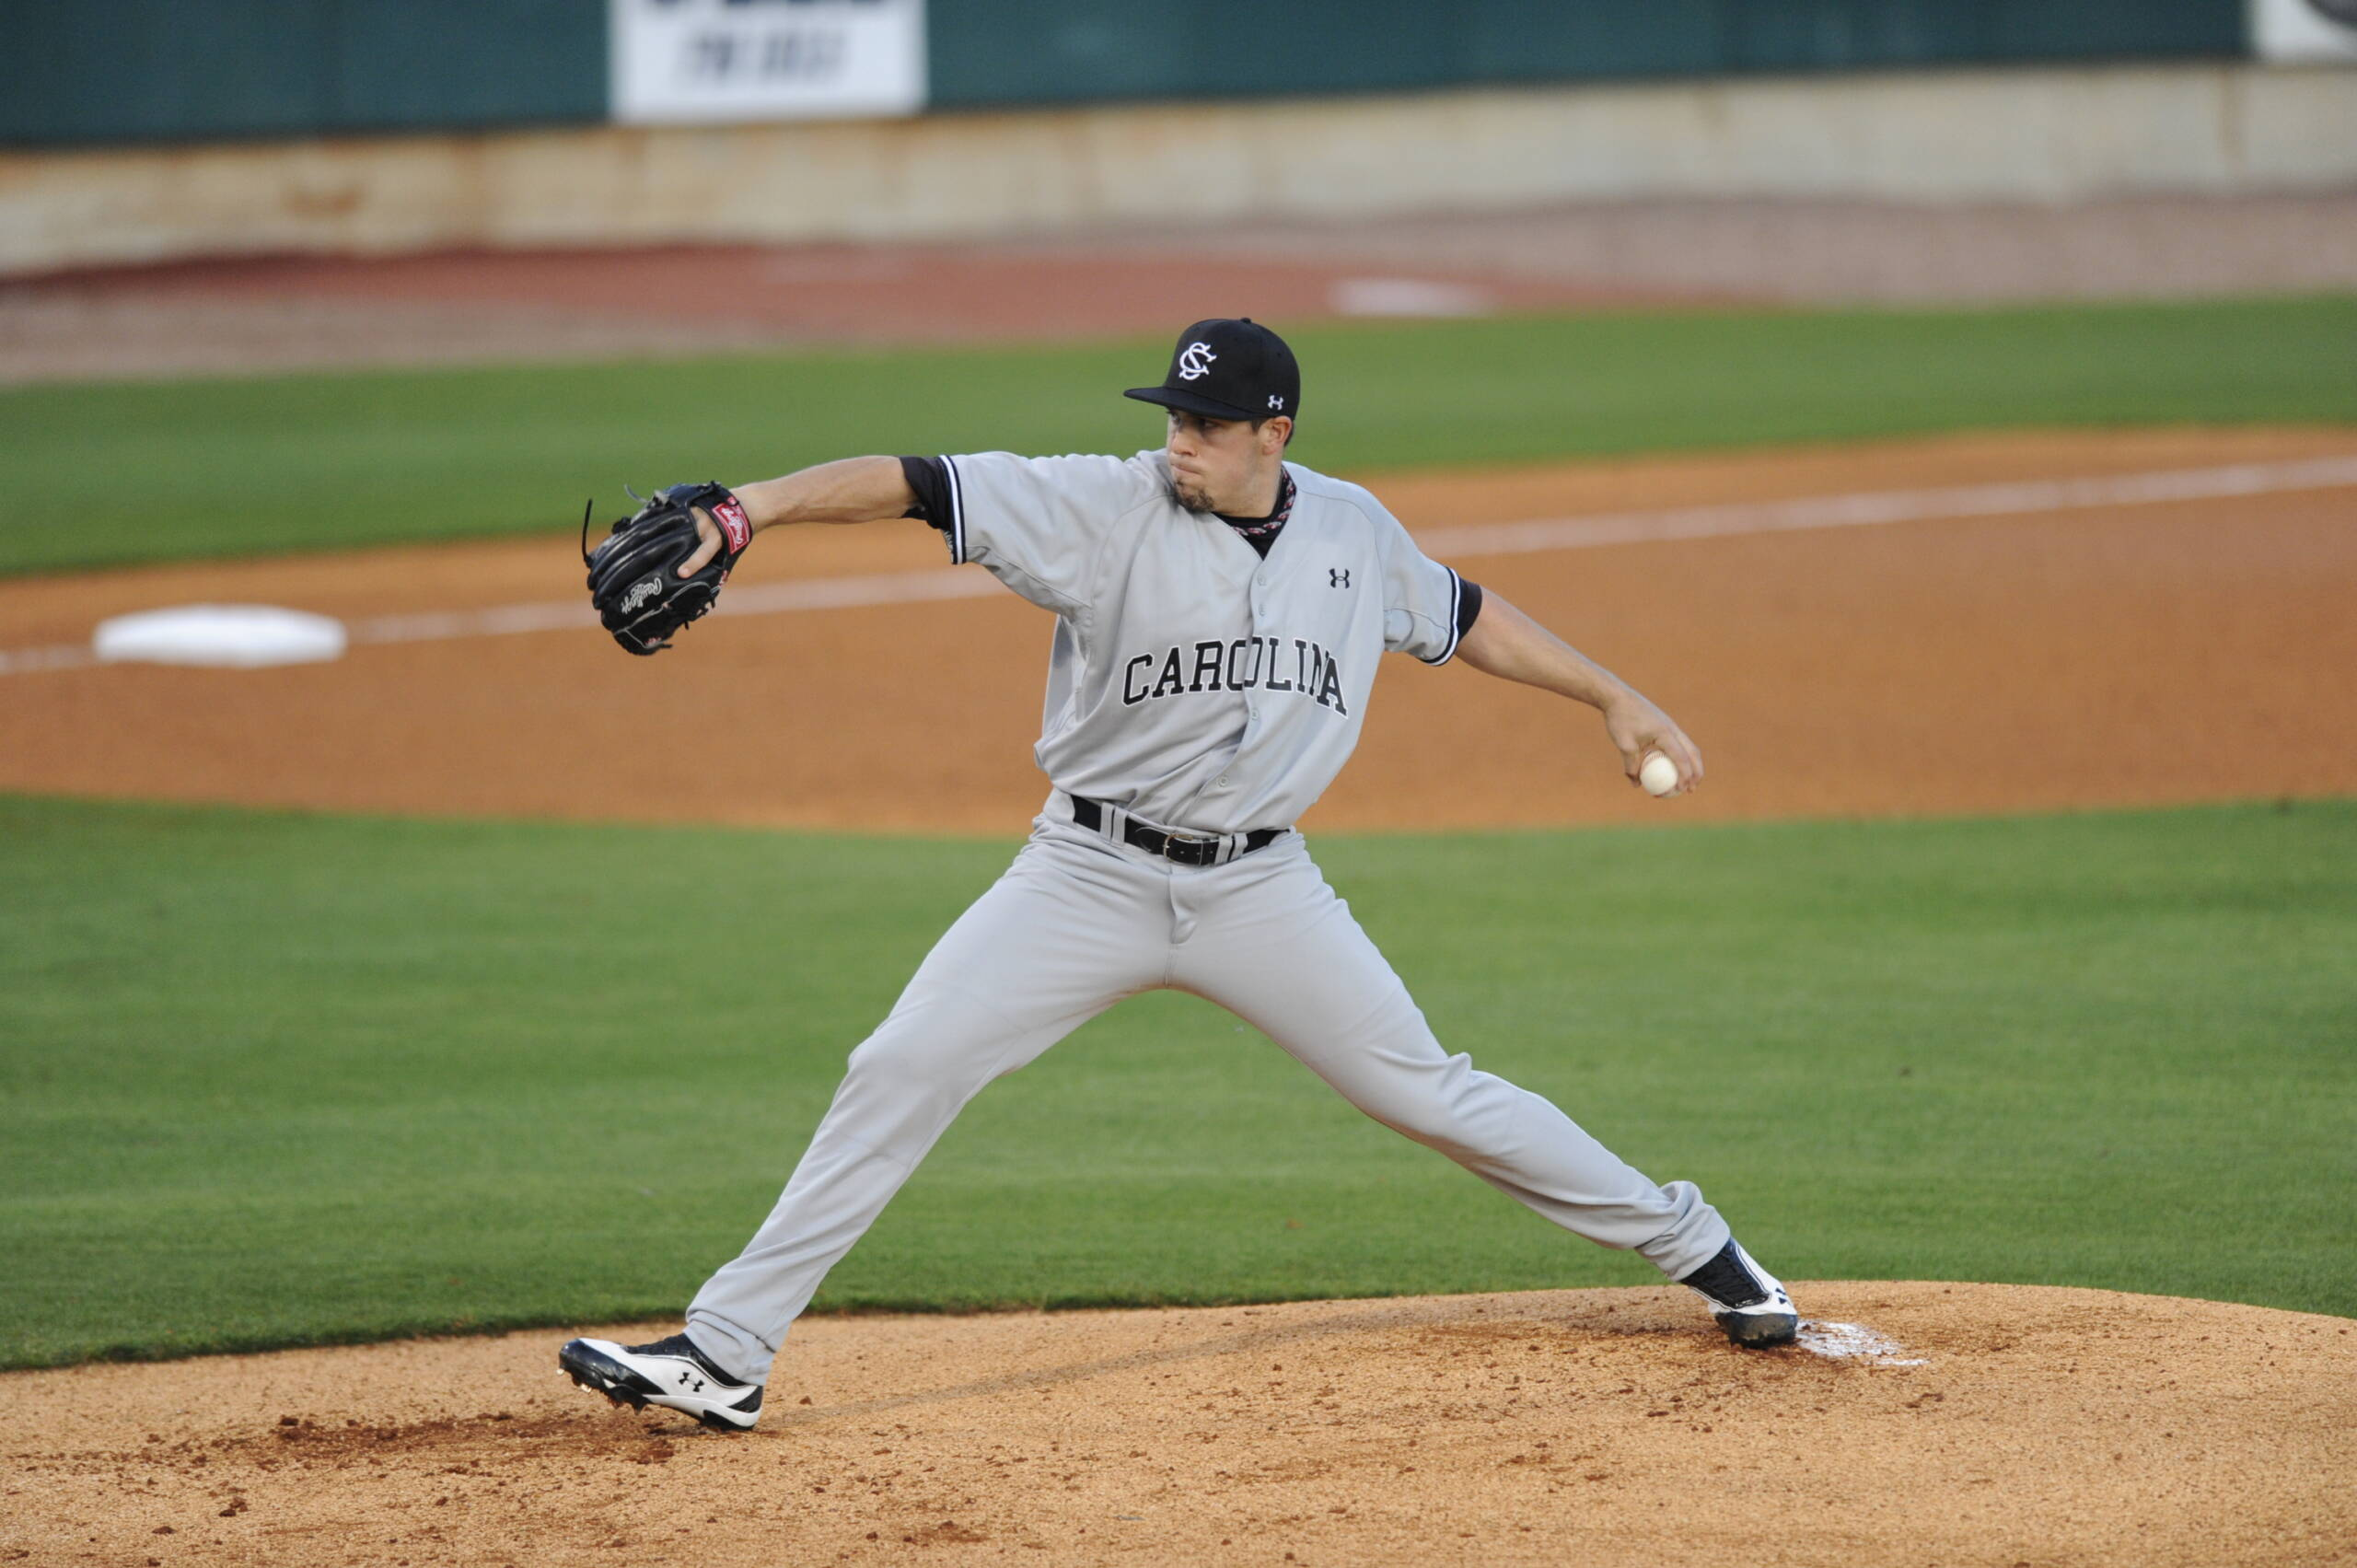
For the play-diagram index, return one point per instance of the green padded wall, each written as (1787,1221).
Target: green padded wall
(164,70)
(95,71)
(1083,50)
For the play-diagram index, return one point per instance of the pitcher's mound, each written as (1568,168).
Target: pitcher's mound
(1916,1423)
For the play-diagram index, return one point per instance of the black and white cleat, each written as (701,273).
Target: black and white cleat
(669,1373)
(1746,1298)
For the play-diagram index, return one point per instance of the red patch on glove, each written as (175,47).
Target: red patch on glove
(730,515)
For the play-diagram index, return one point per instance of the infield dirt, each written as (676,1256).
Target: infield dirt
(2003,1425)
(2133,655)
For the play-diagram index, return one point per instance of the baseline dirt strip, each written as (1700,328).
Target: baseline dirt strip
(1858,510)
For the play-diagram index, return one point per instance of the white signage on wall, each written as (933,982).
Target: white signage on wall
(2303,29)
(694,61)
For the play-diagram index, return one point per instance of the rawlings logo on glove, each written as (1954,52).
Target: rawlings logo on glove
(730,515)
(634,580)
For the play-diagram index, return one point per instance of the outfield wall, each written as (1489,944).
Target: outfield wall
(115,72)
(2050,135)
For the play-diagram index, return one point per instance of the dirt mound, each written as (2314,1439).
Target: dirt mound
(1918,1424)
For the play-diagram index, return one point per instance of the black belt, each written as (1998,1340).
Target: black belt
(1186,848)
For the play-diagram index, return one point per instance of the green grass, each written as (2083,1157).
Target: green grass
(274,1079)
(187,468)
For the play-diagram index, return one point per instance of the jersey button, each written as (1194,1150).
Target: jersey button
(1262,579)
(1221,781)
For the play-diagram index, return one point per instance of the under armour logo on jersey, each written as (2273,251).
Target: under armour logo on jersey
(1195,361)
(1276,400)
(1338,576)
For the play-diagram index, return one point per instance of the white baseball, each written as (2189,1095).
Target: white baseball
(1658,773)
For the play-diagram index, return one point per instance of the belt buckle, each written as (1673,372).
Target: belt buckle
(1202,849)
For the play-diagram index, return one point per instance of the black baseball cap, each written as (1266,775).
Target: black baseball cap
(1228,369)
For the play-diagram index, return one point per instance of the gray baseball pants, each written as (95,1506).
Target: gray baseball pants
(1077,923)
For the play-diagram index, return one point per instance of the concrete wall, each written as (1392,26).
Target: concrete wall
(2053,134)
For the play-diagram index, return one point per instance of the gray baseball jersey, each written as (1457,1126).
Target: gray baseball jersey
(1192,681)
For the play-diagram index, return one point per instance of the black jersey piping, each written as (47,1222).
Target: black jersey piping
(956,513)
(1456,607)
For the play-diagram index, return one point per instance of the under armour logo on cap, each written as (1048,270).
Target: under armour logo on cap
(1228,369)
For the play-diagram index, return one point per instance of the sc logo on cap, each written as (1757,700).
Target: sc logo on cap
(1195,361)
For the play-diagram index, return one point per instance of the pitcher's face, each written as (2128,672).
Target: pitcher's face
(1218,465)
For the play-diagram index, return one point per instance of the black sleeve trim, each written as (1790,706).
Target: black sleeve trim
(928,478)
(1458,619)
(956,513)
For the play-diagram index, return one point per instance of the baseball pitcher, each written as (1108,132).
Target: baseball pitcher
(1219,615)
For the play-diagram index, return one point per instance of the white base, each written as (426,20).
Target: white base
(239,637)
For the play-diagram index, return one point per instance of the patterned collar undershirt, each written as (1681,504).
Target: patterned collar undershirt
(1261,532)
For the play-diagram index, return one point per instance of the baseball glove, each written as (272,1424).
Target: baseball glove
(634,580)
